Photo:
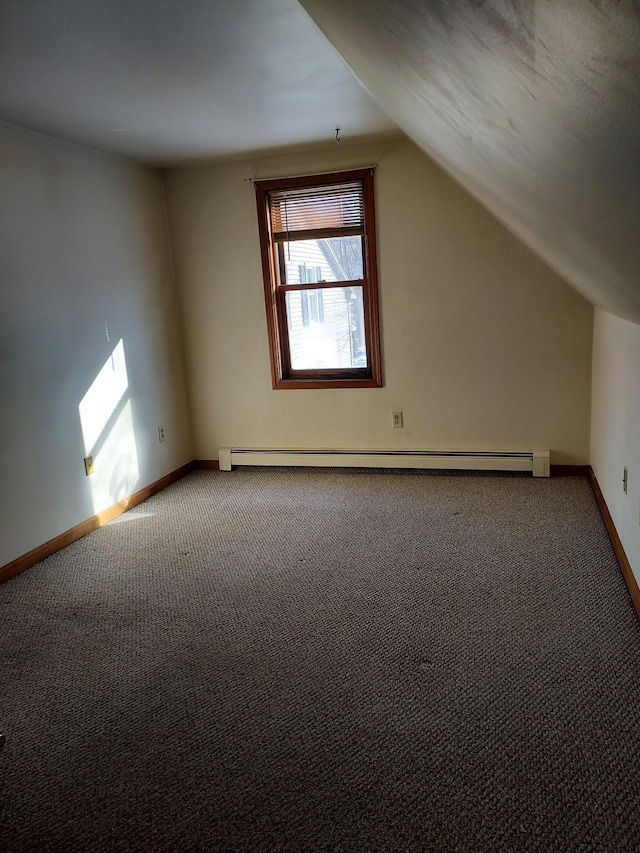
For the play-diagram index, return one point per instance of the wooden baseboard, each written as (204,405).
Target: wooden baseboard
(21,564)
(207,464)
(625,565)
(570,470)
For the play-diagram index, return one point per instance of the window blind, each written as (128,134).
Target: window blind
(319,208)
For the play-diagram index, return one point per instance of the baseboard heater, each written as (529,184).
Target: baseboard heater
(536,461)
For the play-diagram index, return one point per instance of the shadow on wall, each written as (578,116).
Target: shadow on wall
(107,430)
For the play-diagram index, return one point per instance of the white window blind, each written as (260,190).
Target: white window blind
(334,207)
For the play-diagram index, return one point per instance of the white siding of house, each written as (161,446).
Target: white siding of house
(325,342)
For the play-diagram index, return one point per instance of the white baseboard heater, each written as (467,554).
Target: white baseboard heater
(536,461)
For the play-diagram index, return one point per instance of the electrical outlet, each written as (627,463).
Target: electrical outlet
(625,480)
(397,420)
(88,465)
(161,435)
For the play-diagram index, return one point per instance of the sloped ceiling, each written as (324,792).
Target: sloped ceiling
(532,105)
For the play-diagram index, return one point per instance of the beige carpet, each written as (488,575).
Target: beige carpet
(318,660)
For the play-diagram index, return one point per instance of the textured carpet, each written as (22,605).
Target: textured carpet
(319,660)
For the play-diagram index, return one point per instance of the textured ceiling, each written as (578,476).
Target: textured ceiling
(532,105)
(169,81)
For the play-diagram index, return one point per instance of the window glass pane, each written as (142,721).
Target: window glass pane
(326,328)
(332,259)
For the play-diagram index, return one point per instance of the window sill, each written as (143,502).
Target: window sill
(351,382)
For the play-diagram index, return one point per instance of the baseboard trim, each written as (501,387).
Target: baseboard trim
(570,470)
(207,464)
(623,561)
(556,470)
(21,564)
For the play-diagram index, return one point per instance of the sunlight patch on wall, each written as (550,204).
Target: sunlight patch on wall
(107,430)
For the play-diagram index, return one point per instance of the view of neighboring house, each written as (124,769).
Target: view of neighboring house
(326,326)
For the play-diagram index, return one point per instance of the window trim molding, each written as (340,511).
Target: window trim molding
(283,377)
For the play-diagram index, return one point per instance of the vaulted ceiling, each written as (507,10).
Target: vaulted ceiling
(532,105)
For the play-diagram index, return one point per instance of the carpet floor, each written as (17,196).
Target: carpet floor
(319,660)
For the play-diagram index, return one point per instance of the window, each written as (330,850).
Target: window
(317,237)
(312,306)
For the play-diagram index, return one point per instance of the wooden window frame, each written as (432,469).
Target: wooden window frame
(283,376)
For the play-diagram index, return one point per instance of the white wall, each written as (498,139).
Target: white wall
(84,257)
(484,346)
(615,425)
